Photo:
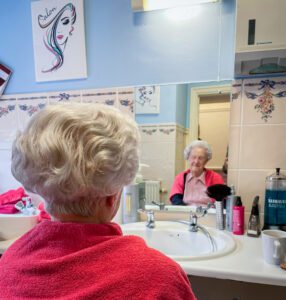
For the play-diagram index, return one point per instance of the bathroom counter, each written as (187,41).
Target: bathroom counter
(244,264)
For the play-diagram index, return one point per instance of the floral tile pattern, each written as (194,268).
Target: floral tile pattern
(8,118)
(126,100)
(28,106)
(67,96)
(100,96)
(236,90)
(265,92)
(16,110)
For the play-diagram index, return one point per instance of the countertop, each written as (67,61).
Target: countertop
(245,263)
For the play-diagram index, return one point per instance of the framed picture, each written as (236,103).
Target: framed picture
(147,100)
(59,39)
(5,74)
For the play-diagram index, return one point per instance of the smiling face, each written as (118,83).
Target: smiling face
(64,28)
(198,159)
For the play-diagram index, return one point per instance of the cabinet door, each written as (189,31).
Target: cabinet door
(260,25)
(206,288)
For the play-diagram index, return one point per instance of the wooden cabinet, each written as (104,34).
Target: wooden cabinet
(206,288)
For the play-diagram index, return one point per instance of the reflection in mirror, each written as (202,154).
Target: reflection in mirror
(187,112)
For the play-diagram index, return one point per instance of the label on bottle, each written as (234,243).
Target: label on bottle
(275,207)
(249,231)
(238,220)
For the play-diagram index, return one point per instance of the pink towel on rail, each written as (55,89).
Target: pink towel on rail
(9,199)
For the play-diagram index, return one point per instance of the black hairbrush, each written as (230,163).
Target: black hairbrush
(218,191)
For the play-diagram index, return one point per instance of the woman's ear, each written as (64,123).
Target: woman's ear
(110,200)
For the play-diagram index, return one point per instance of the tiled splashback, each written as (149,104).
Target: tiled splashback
(257,143)
(162,147)
(16,110)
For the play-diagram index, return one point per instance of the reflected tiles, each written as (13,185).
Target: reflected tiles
(28,106)
(126,101)
(264,100)
(234,147)
(263,147)
(235,106)
(100,96)
(8,118)
(252,183)
(167,133)
(64,97)
(149,133)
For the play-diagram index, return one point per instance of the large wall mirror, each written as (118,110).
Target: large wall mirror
(187,112)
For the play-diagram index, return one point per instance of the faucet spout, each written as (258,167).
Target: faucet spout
(150,217)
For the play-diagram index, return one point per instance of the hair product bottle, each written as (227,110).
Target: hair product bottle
(254,222)
(238,217)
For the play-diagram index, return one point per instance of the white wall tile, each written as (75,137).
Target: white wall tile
(263,147)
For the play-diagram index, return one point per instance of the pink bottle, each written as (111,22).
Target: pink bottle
(238,218)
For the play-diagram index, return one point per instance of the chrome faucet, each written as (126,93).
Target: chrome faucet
(200,212)
(150,217)
(194,226)
(161,205)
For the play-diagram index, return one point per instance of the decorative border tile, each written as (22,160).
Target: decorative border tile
(100,96)
(8,118)
(28,106)
(264,92)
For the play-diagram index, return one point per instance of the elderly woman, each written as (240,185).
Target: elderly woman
(189,187)
(78,157)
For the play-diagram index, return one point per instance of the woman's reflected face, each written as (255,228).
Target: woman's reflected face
(64,28)
(198,159)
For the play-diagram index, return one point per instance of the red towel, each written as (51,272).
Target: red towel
(88,261)
(9,199)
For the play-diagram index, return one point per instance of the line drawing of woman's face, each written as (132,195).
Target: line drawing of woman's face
(147,92)
(59,28)
(64,28)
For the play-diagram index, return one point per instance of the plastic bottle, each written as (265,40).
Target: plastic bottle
(230,203)
(238,217)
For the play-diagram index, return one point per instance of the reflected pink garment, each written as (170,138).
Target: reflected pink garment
(195,190)
(9,199)
(178,187)
(58,260)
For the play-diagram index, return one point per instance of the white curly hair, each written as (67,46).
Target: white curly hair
(198,144)
(76,154)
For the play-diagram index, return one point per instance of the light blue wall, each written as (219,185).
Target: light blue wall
(124,48)
(181,104)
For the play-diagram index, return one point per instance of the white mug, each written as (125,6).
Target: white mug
(274,246)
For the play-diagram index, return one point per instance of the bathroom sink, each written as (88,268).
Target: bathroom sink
(176,241)
(15,225)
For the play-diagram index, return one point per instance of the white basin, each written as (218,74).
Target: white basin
(176,241)
(15,225)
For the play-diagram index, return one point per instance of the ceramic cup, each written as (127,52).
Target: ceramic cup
(274,246)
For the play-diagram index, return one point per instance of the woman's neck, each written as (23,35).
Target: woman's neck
(78,219)
(197,173)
